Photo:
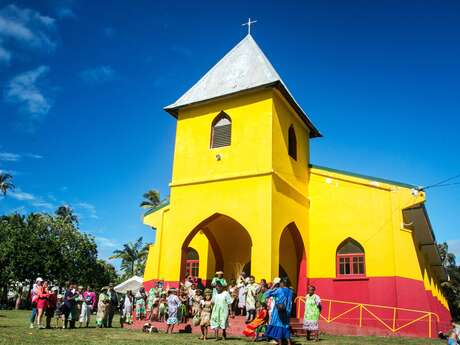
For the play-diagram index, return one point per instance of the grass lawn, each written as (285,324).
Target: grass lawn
(14,329)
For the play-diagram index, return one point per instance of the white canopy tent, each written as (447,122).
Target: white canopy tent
(134,283)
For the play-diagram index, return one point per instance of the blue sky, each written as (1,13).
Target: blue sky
(83,84)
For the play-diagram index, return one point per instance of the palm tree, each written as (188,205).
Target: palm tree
(65,212)
(133,256)
(151,199)
(5,183)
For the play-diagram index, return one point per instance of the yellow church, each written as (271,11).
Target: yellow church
(244,196)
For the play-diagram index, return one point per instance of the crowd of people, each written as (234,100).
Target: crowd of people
(266,307)
(71,305)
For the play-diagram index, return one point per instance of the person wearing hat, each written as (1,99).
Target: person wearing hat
(101,316)
(279,327)
(219,278)
(34,299)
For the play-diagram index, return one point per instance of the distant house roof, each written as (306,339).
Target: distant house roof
(243,68)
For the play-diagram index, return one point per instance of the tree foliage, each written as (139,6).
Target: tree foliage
(133,257)
(451,288)
(151,199)
(51,247)
(5,183)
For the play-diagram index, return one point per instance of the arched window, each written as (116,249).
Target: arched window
(292,143)
(221,132)
(192,262)
(350,259)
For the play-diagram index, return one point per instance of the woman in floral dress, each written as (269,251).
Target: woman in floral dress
(312,312)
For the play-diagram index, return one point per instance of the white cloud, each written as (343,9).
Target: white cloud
(24,90)
(11,172)
(86,210)
(43,204)
(33,200)
(64,9)
(22,196)
(98,74)
(9,157)
(34,156)
(24,29)
(106,242)
(5,55)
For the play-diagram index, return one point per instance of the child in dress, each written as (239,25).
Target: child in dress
(196,307)
(205,313)
(183,310)
(174,304)
(59,315)
(155,307)
(162,308)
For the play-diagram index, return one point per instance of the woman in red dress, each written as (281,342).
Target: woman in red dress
(42,302)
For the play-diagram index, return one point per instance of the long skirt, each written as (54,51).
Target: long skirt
(101,316)
(140,308)
(128,314)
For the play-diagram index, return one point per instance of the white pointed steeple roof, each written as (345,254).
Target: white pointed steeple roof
(243,68)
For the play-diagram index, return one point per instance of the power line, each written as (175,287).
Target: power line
(441,183)
(445,185)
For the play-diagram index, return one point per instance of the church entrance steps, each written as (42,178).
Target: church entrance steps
(236,326)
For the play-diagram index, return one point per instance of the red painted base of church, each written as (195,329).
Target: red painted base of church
(402,293)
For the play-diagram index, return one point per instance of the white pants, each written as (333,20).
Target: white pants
(85,313)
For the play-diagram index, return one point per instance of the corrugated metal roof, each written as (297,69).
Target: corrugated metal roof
(243,68)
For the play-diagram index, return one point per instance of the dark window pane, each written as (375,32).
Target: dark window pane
(350,247)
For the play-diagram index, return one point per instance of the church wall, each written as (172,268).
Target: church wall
(340,209)
(370,212)
(293,171)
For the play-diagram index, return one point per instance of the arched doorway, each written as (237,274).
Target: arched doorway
(227,240)
(292,258)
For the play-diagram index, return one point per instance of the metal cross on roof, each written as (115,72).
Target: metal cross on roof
(249,24)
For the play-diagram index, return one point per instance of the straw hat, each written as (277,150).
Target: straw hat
(277,280)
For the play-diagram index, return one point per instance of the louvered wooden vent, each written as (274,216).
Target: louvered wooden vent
(221,131)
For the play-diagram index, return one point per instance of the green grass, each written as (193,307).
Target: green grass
(14,330)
